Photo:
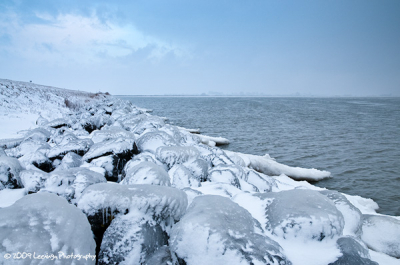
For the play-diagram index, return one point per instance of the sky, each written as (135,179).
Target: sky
(266,47)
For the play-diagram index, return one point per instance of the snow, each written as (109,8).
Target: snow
(382,234)
(146,173)
(9,197)
(45,224)
(216,230)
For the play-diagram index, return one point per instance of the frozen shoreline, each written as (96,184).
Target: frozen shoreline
(73,151)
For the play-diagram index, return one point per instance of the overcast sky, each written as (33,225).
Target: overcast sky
(321,47)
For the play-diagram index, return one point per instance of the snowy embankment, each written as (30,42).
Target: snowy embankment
(93,178)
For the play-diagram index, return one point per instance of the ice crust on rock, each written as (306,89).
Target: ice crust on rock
(72,182)
(352,216)
(33,180)
(172,155)
(301,213)
(182,177)
(45,223)
(118,146)
(10,169)
(382,234)
(150,141)
(353,253)
(216,230)
(146,172)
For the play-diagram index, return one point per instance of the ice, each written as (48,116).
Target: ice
(216,230)
(116,146)
(131,239)
(33,180)
(302,214)
(353,253)
(352,216)
(267,165)
(172,155)
(27,147)
(261,181)
(181,177)
(38,134)
(9,173)
(161,202)
(146,173)
(217,188)
(199,168)
(70,160)
(382,234)
(57,123)
(150,141)
(72,182)
(9,197)
(229,174)
(108,133)
(78,146)
(212,141)
(45,224)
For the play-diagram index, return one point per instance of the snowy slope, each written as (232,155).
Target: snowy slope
(21,103)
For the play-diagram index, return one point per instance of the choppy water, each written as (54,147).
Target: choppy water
(356,139)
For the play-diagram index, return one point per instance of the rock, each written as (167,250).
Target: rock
(10,169)
(150,141)
(352,216)
(77,146)
(216,230)
(146,173)
(72,182)
(182,177)
(45,224)
(382,234)
(172,155)
(158,205)
(131,239)
(33,180)
(301,214)
(353,253)
(229,174)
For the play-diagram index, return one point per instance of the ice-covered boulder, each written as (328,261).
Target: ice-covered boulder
(150,141)
(33,180)
(131,239)
(78,146)
(70,160)
(218,188)
(146,172)
(45,224)
(301,213)
(353,253)
(181,177)
(72,182)
(57,123)
(108,133)
(27,147)
(229,174)
(10,169)
(38,159)
(352,216)
(38,134)
(172,155)
(199,168)
(382,234)
(162,256)
(216,230)
(261,181)
(158,205)
(124,148)
(148,123)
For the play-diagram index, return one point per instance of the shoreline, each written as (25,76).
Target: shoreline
(75,156)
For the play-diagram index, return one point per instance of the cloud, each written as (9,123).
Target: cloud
(69,38)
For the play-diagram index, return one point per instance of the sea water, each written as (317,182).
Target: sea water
(356,139)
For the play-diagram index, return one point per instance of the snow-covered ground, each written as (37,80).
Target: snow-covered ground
(86,177)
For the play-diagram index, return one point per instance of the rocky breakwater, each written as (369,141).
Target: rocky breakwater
(109,183)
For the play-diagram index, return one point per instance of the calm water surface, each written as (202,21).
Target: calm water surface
(356,139)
